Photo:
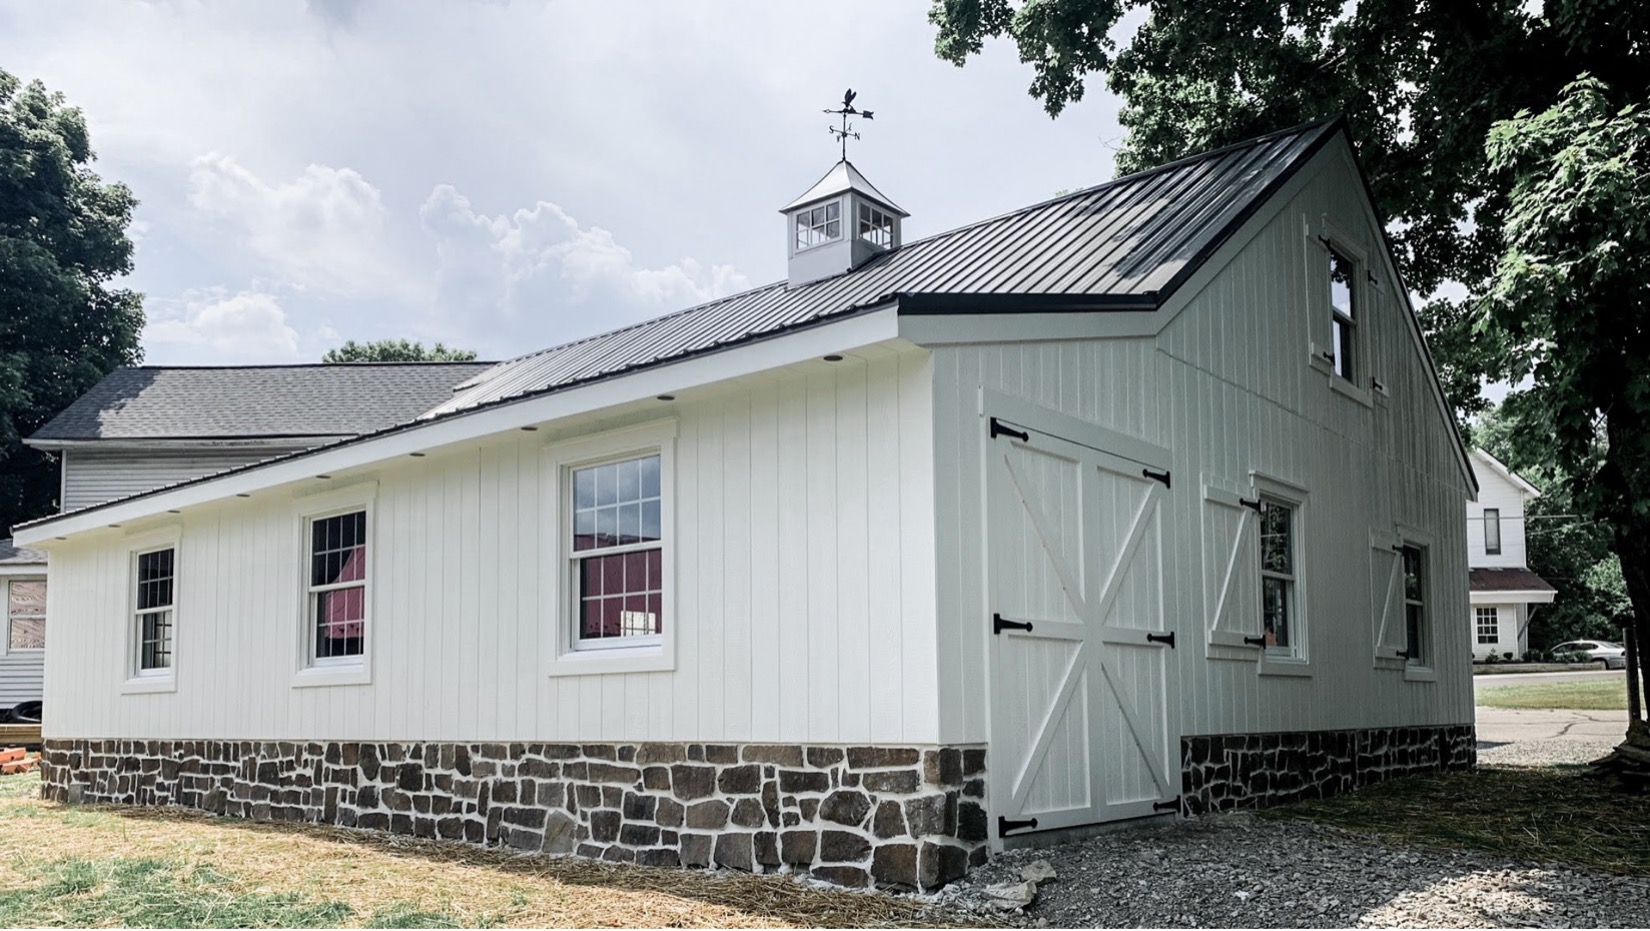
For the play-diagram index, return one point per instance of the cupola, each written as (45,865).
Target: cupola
(838,224)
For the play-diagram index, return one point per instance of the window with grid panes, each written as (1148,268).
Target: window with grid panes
(338,587)
(818,225)
(1277,574)
(1488,624)
(155,610)
(617,552)
(876,226)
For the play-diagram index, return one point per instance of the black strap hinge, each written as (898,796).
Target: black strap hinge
(1167,638)
(1172,804)
(1157,476)
(1000,624)
(998,428)
(1253,504)
(1004,825)
(1256,641)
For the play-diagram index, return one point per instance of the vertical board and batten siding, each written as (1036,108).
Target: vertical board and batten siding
(803,607)
(92,476)
(1228,388)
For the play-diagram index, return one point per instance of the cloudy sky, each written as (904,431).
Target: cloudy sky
(505,176)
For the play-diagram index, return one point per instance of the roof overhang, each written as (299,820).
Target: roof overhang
(285,441)
(1500,469)
(1513,597)
(843,334)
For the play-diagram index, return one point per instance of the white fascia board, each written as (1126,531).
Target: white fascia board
(26,569)
(761,355)
(1509,598)
(955,329)
(1499,469)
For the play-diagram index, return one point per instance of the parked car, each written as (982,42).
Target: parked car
(1613,654)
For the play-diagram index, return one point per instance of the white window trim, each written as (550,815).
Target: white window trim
(1423,671)
(138,682)
(5,595)
(563,656)
(1496,523)
(344,670)
(843,228)
(1478,621)
(1295,660)
(1327,235)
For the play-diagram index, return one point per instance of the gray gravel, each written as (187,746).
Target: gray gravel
(1544,752)
(1239,871)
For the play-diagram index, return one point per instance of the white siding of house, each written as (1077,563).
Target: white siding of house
(1227,387)
(1495,491)
(22,672)
(1510,622)
(93,476)
(804,603)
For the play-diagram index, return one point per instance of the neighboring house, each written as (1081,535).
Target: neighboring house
(1504,590)
(145,428)
(1144,500)
(23,654)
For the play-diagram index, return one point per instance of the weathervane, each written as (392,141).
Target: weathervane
(847,131)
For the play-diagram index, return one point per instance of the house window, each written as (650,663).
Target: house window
(1488,624)
(617,552)
(821,224)
(154,610)
(26,614)
(1492,531)
(1343,305)
(337,596)
(876,226)
(1415,608)
(1277,574)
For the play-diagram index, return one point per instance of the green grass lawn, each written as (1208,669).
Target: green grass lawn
(1558,814)
(1588,695)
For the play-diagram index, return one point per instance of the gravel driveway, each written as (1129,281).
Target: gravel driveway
(1241,871)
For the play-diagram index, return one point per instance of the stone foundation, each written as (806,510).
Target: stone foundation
(1227,771)
(854,816)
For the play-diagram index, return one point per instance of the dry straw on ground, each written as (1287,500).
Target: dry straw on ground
(378,874)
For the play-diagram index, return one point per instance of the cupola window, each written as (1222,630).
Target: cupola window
(876,226)
(820,225)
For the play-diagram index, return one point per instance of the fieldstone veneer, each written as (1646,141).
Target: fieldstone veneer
(854,816)
(1227,771)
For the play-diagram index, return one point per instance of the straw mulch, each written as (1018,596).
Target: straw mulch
(379,874)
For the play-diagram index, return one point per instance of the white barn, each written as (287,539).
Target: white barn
(1143,500)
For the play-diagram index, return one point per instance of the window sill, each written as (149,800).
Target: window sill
(1420,674)
(615,659)
(322,676)
(1345,388)
(1285,666)
(146,685)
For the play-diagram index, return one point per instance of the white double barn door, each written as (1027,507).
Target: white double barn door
(1080,698)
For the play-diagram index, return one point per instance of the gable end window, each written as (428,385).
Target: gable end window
(1415,606)
(617,552)
(1277,575)
(26,614)
(1488,624)
(1492,531)
(154,610)
(1343,312)
(337,588)
(818,225)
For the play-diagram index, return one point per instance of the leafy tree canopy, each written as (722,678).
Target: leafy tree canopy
(1420,82)
(395,350)
(63,326)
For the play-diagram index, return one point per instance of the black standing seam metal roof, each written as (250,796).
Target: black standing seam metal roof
(245,402)
(1126,244)
(1130,241)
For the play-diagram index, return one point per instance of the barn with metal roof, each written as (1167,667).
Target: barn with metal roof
(1135,504)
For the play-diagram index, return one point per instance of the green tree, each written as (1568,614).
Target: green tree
(1569,308)
(63,242)
(395,350)
(1420,82)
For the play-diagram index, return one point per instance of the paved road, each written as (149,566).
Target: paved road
(1543,736)
(1534,678)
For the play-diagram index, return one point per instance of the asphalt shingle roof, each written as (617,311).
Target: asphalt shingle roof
(1506,580)
(19,556)
(1127,243)
(154,403)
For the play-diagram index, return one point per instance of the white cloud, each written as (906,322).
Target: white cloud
(323,230)
(538,269)
(246,327)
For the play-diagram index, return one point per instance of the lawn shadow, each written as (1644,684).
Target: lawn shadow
(772,897)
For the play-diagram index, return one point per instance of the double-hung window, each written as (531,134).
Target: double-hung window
(337,588)
(1277,575)
(1343,312)
(1492,531)
(1415,604)
(1488,624)
(25,614)
(154,608)
(617,552)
